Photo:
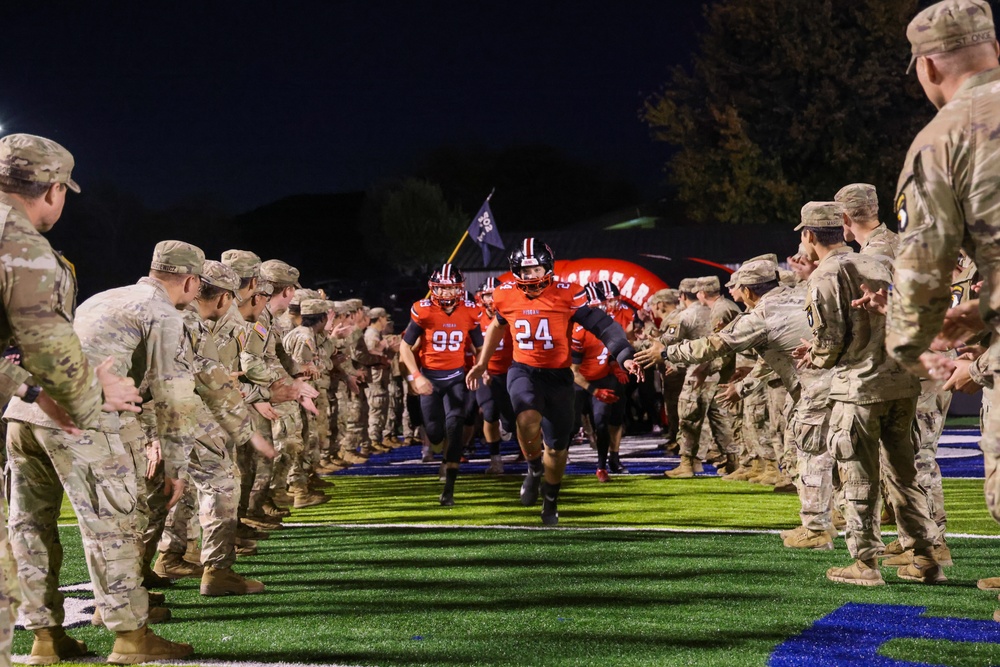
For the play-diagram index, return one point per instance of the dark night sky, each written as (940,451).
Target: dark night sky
(252,101)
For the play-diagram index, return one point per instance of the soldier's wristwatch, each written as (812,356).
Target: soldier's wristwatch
(31,393)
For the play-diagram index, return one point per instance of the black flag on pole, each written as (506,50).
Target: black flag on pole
(483,230)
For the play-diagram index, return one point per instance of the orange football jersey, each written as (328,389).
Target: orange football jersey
(624,316)
(594,364)
(500,361)
(540,327)
(445,335)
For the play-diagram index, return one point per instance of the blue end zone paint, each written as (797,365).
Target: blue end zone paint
(958,456)
(852,636)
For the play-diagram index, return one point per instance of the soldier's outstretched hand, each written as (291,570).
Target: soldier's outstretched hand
(120,394)
(263,447)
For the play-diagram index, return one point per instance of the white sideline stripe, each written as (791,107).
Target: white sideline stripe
(588,529)
(100,660)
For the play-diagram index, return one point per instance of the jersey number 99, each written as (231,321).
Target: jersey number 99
(442,340)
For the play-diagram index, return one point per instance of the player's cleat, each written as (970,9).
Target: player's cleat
(859,573)
(496,466)
(922,569)
(804,538)
(617,468)
(442,474)
(550,517)
(602,475)
(141,645)
(530,487)
(52,645)
(447,499)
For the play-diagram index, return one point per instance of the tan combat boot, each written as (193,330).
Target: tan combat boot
(316,482)
(303,497)
(805,538)
(156,615)
(839,522)
(281,498)
(771,474)
(272,510)
(784,485)
(173,566)
(741,474)
(52,645)
(894,548)
(193,553)
(923,569)
(684,469)
(861,573)
(353,457)
(223,581)
(142,645)
(755,471)
(989,584)
(942,554)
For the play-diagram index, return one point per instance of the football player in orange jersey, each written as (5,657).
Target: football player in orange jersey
(612,305)
(492,394)
(541,313)
(603,380)
(440,326)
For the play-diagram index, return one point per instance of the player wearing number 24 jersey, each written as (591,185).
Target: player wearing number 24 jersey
(442,326)
(540,314)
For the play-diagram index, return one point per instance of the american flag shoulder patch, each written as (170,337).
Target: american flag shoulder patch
(260,329)
(241,340)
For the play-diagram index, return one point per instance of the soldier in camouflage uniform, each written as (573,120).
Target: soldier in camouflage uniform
(287,429)
(945,197)
(394,414)
(232,334)
(377,390)
(226,424)
(697,401)
(874,402)
(116,323)
(665,306)
(353,425)
(35,174)
(303,347)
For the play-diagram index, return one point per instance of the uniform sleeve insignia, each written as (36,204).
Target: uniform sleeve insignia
(241,339)
(901,214)
(956,295)
(261,330)
(809,315)
(671,330)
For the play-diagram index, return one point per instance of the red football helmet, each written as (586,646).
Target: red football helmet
(447,286)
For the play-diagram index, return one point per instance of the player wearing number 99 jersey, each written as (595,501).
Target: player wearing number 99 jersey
(540,314)
(442,326)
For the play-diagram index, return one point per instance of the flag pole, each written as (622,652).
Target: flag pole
(461,240)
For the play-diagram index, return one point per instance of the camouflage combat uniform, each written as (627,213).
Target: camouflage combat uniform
(377,390)
(139,327)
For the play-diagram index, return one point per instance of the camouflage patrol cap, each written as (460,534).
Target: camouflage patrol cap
(948,26)
(821,214)
(276,271)
(36,159)
(264,287)
(665,296)
(245,263)
(708,284)
(770,256)
(354,304)
(787,278)
(859,200)
(689,285)
(316,306)
(757,272)
(218,274)
(340,307)
(376,313)
(177,257)
(302,294)
(733,279)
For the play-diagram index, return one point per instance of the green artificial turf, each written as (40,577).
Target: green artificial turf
(512,597)
(447,595)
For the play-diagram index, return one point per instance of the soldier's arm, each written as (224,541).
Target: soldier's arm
(931,226)
(253,362)
(172,386)
(828,323)
(362,355)
(218,390)
(746,333)
(40,324)
(12,377)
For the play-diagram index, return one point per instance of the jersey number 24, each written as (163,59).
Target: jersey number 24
(525,339)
